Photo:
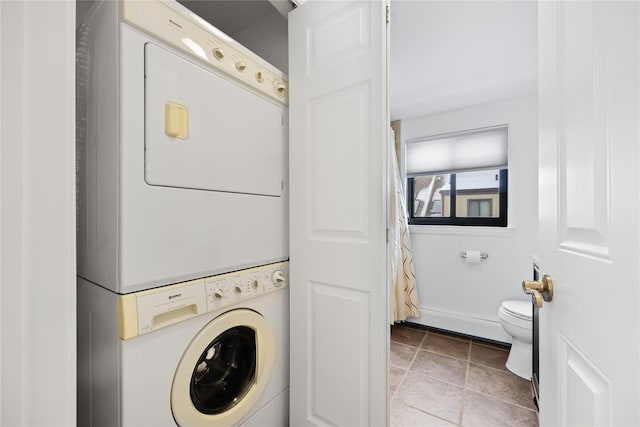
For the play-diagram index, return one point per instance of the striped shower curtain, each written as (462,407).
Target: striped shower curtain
(402,281)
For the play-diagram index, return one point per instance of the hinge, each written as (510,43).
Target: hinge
(388,13)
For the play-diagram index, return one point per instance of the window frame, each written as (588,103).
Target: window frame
(452,219)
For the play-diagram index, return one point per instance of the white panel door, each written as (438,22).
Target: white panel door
(589,214)
(338,131)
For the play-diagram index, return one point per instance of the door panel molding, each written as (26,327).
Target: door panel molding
(589,388)
(340,164)
(583,137)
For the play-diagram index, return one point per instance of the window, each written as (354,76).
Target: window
(482,208)
(459,179)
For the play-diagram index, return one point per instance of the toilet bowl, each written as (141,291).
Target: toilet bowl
(516,319)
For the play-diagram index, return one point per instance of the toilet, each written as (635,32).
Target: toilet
(516,319)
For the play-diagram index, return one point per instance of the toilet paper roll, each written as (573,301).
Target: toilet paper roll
(473,257)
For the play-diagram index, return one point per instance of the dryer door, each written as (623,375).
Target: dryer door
(223,371)
(205,132)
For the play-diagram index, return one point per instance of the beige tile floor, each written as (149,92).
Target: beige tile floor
(441,379)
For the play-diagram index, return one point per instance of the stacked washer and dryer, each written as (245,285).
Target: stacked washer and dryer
(182,223)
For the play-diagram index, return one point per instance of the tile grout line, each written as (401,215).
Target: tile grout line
(503,401)
(406,371)
(393,396)
(431,377)
(466,379)
(418,349)
(423,338)
(490,395)
(428,413)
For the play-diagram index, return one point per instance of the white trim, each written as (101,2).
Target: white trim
(461,323)
(1,216)
(11,207)
(37,213)
(69,113)
(455,230)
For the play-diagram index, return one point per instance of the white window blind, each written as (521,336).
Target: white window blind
(475,149)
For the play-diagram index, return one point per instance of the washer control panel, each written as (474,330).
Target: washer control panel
(230,288)
(145,311)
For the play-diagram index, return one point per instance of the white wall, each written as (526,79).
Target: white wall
(463,297)
(37,214)
(268,38)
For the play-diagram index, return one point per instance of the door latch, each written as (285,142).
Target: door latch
(539,290)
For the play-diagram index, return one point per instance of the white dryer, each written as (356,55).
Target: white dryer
(212,352)
(182,149)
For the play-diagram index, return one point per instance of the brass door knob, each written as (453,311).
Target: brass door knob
(540,291)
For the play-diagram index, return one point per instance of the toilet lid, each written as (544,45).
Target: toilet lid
(520,309)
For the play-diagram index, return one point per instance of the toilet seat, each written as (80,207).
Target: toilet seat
(518,309)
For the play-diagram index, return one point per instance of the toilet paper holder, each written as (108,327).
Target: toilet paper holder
(483,255)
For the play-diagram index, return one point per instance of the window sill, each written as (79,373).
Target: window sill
(456,230)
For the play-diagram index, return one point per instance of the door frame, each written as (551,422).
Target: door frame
(37,213)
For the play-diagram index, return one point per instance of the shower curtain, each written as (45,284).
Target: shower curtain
(402,281)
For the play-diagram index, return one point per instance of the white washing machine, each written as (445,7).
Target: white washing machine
(212,352)
(182,149)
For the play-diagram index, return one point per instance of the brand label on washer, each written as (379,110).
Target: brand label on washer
(161,309)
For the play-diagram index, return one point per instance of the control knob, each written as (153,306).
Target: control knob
(218,54)
(218,294)
(278,278)
(281,89)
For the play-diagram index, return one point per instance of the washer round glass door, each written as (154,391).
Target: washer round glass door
(223,371)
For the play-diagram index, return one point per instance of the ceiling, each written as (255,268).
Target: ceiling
(451,54)
(445,54)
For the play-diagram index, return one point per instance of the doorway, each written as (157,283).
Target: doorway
(459,66)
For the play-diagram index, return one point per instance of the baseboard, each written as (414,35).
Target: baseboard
(463,324)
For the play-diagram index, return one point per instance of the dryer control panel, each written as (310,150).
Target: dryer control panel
(195,37)
(147,311)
